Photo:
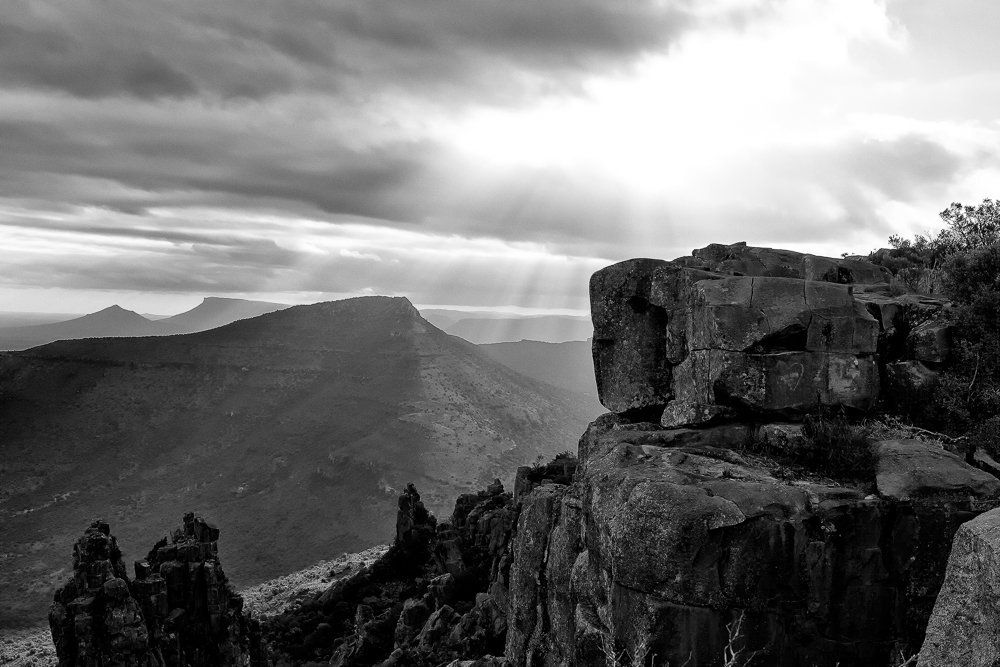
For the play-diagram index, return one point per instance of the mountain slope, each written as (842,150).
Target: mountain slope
(293,431)
(216,311)
(112,321)
(115,321)
(569,365)
(546,328)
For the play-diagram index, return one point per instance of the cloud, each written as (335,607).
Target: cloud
(233,146)
(256,48)
(54,59)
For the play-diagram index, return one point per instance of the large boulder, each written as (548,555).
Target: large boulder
(913,469)
(741,259)
(694,345)
(741,332)
(964,628)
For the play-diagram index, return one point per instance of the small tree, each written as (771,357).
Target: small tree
(970,227)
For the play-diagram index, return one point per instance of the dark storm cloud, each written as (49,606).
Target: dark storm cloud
(116,231)
(403,183)
(53,58)
(256,48)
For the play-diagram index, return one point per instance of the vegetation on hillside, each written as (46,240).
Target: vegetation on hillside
(963,260)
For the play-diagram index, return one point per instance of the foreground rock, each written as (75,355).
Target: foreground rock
(438,596)
(964,628)
(179,611)
(658,547)
(735,331)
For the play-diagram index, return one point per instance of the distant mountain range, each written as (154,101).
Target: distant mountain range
(489,327)
(294,431)
(116,321)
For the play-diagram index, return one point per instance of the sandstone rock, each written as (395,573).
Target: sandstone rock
(964,628)
(930,342)
(783,437)
(691,346)
(452,576)
(740,259)
(416,611)
(178,612)
(655,552)
(912,468)
(94,620)
(437,626)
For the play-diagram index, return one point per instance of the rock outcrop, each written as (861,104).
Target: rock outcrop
(964,628)
(658,548)
(672,544)
(735,331)
(438,596)
(179,611)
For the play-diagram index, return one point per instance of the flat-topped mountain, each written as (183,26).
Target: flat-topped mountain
(295,429)
(216,311)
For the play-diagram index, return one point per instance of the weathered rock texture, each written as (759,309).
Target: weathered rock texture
(658,546)
(179,611)
(735,331)
(438,596)
(964,628)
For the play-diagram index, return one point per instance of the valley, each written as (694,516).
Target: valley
(295,430)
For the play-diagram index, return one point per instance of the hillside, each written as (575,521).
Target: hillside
(295,430)
(546,328)
(569,365)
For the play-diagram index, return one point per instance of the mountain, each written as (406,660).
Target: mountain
(112,321)
(216,311)
(17,319)
(569,365)
(545,328)
(117,322)
(295,430)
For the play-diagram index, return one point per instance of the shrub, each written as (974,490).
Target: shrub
(834,447)
(965,258)
(837,448)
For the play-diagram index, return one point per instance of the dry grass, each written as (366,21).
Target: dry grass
(30,647)
(275,596)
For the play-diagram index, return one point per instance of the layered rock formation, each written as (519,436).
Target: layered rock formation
(673,546)
(659,546)
(179,611)
(735,331)
(437,596)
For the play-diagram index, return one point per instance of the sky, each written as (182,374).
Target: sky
(469,153)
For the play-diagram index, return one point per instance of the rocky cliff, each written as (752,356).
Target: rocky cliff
(676,543)
(754,333)
(674,538)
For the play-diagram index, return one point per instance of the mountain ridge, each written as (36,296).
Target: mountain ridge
(295,428)
(116,322)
